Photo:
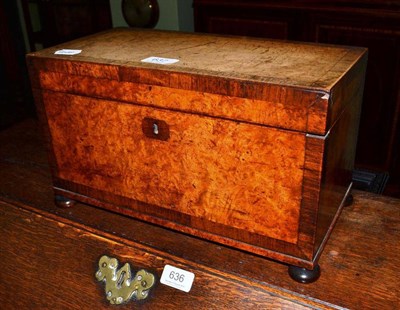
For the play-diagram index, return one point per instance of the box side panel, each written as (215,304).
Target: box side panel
(344,94)
(339,156)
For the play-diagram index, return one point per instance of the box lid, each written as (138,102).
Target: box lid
(293,85)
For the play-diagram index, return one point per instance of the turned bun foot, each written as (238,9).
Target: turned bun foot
(348,201)
(64,202)
(304,275)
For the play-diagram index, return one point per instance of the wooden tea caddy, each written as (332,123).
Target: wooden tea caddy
(246,142)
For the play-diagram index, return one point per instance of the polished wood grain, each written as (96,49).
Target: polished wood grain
(273,107)
(49,255)
(274,62)
(229,66)
(242,153)
(40,269)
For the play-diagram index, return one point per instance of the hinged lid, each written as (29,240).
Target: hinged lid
(292,85)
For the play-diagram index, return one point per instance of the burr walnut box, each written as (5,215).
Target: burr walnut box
(246,142)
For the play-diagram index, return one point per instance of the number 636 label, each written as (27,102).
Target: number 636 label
(177,278)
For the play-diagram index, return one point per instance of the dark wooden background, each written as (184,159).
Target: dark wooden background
(60,21)
(374,24)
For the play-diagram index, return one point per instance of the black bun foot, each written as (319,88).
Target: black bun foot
(304,275)
(348,201)
(64,202)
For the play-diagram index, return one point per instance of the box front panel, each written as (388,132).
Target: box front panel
(244,176)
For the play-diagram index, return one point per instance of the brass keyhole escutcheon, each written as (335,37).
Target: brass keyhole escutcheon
(120,287)
(155,129)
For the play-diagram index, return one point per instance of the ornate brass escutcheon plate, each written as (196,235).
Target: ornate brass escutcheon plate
(119,285)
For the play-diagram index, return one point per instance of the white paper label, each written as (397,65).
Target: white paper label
(67,52)
(160,60)
(177,278)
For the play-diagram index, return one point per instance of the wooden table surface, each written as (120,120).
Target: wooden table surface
(49,255)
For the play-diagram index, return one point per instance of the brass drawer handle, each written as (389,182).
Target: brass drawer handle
(119,285)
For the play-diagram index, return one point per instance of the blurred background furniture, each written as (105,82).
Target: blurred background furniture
(49,22)
(370,23)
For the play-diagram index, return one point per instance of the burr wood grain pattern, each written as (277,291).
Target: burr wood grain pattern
(245,142)
(225,172)
(45,248)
